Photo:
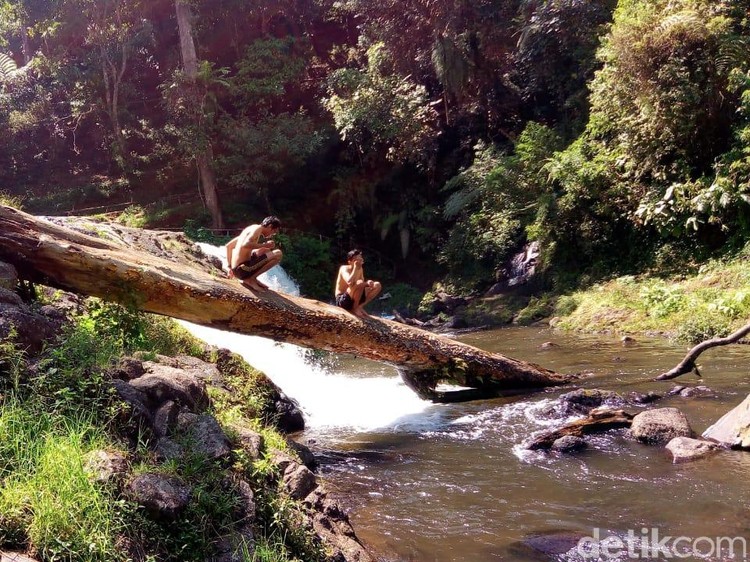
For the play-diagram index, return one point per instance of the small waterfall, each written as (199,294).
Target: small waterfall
(329,400)
(523,265)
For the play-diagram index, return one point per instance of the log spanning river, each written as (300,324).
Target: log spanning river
(450,483)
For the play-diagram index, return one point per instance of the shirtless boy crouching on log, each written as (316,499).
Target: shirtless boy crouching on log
(248,257)
(353,292)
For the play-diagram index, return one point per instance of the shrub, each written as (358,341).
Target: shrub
(566,305)
(537,309)
(308,260)
(703,327)
(661,300)
(404,298)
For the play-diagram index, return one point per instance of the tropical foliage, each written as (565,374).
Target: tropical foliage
(443,135)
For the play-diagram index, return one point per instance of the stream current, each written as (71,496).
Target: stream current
(450,483)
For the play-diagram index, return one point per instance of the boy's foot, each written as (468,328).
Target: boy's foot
(361,314)
(253,286)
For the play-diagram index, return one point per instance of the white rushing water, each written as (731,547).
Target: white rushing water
(329,400)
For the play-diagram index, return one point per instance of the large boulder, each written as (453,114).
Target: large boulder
(582,400)
(732,429)
(251,442)
(32,329)
(331,524)
(569,444)
(162,383)
(202,370)
(207,438)
(660,426)
(127,369)
(298,481)
(685,449)
(139,416)
(289,415)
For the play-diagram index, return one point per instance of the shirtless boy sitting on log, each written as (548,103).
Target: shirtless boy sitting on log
(248,257)
(352,291)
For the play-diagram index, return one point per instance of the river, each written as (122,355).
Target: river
(449,483)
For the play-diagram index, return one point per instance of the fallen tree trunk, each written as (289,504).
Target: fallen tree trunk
(111,267)
(688,363)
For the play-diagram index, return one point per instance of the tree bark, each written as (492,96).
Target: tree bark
(26,44)
(204,158)
(688,363)
(171,283)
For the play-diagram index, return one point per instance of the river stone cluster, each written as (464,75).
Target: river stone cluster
(667,427)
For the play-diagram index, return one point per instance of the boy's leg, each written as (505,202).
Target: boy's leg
(272,258)
(357,293)
(371,292)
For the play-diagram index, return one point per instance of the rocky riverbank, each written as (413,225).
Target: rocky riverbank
(190,461)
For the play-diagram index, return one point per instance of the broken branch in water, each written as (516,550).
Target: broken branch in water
(688,363)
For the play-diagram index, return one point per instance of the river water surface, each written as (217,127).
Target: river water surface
(450,483)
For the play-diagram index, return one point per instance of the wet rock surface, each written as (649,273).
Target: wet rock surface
(569,444)
(732,429)
(661,425)
(583,400)
(686,449)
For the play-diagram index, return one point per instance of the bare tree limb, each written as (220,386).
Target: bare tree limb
(688,363)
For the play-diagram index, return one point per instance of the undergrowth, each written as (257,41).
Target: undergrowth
(712,302)
(53,415)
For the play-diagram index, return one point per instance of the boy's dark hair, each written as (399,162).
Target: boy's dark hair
(354,253)
(272,222)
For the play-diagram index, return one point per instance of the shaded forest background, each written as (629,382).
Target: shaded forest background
(441,136)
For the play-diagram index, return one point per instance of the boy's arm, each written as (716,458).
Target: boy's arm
(349,275)
(230,248)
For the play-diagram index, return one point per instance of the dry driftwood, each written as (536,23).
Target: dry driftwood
(598,420)
(688,363)
(114,270)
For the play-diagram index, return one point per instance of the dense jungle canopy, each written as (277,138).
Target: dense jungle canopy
(615,133)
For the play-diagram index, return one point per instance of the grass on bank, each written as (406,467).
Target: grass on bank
(47,500)
(51,419)
(689,308)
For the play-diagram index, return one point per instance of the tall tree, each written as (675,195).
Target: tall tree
(114,28)
(204,156)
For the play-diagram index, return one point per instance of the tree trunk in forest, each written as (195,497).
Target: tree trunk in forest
(112,83)
(26,45)
(204,159)
(165,280)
